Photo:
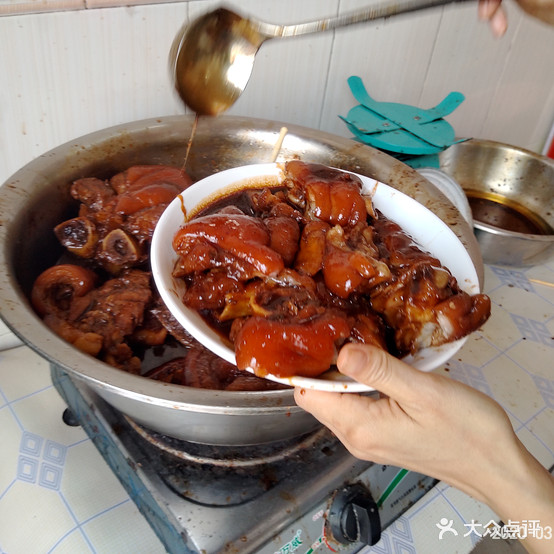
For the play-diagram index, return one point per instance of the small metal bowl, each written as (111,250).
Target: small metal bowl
(511,194)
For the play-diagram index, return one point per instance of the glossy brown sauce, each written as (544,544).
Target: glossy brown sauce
(509,217)
(239,199)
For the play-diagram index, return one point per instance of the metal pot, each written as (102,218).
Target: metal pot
(36,198)
(510,190)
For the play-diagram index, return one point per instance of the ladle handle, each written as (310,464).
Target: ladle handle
(384,9)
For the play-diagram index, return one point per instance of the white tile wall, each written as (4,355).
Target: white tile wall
(64,74)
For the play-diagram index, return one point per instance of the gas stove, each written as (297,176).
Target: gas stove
(297,495)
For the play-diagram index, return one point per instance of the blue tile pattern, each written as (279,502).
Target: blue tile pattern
(39,465)
(27,469)
(470,375)
(31,444)
(401,547)
(54,452)
(401,529)
(512,278)
(50,476)
(45,470)
(402,538)
(531,329)
(384,546)
(546,389)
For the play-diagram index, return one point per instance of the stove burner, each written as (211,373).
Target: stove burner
(229,456)
(230,475)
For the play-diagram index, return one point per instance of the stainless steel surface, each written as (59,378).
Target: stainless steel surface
(37,197)
(212,57)
(518,178)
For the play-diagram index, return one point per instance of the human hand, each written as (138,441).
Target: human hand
(425,422)
(433,425)
(493,12)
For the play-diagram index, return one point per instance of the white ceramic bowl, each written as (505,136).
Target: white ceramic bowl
(426,228)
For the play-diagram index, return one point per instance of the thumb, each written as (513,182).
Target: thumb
(376,368)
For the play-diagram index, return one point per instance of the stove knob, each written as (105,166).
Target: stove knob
(354,516)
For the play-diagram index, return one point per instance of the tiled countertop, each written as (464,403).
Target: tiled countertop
(58,495)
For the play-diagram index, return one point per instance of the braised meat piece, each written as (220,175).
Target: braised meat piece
(141,224)
(58,286)
(116,308)
(326,194)
(421,300)
(311,250)
(96,320)
(117,217)
(290,346)
(139,177)
(104,309)
(236,236)
(93,193)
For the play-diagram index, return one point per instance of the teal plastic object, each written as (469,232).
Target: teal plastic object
(418,162)
(400,128)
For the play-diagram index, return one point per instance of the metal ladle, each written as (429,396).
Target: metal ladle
(212,58)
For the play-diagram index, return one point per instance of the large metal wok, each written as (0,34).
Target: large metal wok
(36,198)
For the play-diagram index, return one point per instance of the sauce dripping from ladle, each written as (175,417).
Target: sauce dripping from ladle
(189,144)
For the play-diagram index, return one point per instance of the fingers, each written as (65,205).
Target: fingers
(365,424)
(487,8)
(492,11)
(378,369)
(349,416)
(329,407)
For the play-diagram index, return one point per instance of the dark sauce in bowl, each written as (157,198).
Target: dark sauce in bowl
(499,212)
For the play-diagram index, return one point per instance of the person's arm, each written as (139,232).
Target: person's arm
(439,427)
(539,9)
